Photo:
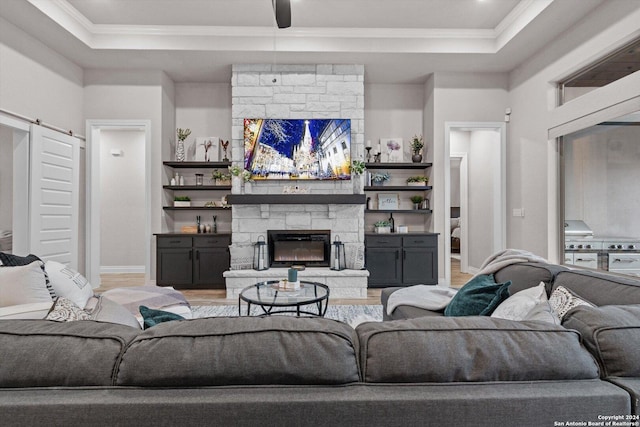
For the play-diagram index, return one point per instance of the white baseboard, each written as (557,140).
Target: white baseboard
(115,269)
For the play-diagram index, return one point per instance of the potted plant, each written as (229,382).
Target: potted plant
(417,181)
(416,200)
(379,178)
(220,178)
(181,201)
(382,227)
(358,167)
(416,145)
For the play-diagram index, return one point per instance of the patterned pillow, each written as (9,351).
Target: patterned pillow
(64,310)
(562,300)
(11,260)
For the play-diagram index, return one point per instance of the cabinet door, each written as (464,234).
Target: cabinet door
(419,266)
(174,266)
(208,266)
(384,266)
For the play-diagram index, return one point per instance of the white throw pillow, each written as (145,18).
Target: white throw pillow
(518,305)
(69,283)
(24,284)
(543,313)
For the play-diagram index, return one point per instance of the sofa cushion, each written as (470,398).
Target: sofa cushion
(68,283)
(528,274)
(612,334)
(242,350)
(24,284)
(454,349)
(42,353)
(480,296)
(37,310)
(601,288)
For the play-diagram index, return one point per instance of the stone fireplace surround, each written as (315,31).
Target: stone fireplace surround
(290,92)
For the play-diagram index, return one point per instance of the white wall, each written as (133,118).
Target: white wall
(144,95)
(483,157)
(460,97)
(393,111)
(205,108)
(38,82)
(531,158)
(602,170)
(122,202)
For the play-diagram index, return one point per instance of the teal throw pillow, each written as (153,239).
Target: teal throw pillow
(153,317)
(478,297)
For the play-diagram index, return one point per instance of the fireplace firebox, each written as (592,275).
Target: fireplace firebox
(311,248)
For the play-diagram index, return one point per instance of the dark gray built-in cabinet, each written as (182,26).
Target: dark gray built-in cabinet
(192,261)
(401,259)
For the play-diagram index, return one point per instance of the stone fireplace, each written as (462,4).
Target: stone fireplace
(292,92)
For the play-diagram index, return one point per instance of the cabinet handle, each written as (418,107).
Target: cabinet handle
(174,241)
(190,253)
(397,255)
(197,254)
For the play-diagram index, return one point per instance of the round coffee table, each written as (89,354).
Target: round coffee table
(273,299)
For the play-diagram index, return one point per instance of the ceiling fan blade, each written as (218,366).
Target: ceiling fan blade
(282,10)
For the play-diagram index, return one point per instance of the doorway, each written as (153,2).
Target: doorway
(118,200)
(479,147)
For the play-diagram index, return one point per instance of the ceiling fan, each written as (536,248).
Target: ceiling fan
(282,10)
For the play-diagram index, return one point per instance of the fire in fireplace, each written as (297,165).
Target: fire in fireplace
(311,248)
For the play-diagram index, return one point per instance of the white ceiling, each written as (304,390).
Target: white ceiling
(396,40)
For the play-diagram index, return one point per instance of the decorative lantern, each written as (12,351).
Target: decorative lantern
(260,260)
(338,260)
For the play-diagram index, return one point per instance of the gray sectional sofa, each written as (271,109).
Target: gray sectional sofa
(428,370)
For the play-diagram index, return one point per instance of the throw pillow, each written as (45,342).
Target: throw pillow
(11,260)
(24,284)
(562,300)
(103,309)
(154,317)
(69,283)
(544,313)
(518,305)
(64,310)
(479,297)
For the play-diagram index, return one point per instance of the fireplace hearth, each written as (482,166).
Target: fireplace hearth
(310,248)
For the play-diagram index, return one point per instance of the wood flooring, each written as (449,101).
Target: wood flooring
(218,296)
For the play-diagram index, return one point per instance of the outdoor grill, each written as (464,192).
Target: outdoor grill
(615,254)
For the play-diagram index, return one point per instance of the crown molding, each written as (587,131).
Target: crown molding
(212,38)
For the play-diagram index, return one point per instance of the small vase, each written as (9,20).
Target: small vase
(416,158)
(377,183)
(358,184)
(180,151)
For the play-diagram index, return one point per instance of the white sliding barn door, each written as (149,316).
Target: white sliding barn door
(54,196)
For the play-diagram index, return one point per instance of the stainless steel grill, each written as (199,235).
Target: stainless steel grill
(614,254)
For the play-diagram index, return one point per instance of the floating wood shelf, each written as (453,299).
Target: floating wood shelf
(296,199)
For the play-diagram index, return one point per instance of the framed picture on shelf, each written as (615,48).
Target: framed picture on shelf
(207,149)
(388,201)
(393,148)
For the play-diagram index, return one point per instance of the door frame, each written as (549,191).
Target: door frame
(464,210)
(93,192)
(21,185)
(499,203)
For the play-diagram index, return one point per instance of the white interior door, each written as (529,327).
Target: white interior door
(54,196)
